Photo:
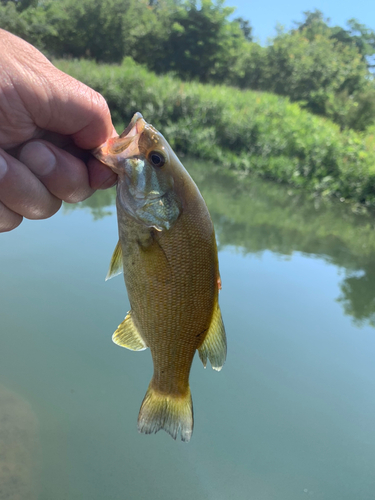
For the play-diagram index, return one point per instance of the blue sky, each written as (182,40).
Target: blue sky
(265,14)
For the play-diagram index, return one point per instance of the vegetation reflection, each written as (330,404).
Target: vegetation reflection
(254,215)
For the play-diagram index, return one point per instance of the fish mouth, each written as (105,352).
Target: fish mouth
(117,149)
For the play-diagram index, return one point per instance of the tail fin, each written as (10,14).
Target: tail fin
(168,412)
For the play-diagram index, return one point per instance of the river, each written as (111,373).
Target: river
(290,416)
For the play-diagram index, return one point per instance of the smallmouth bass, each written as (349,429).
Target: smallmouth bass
(167,251)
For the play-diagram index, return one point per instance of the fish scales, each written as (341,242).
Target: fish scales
(168,253)
(176,306)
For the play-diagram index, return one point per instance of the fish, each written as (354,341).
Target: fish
(167,251)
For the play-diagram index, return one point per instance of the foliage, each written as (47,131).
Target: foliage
(245,27)
(320,68)
(324,68)
(196,41)
(312,71)
(243,130)
(103,30)
(357,34)
(30,23)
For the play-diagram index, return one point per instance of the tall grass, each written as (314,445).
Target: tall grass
(244,130)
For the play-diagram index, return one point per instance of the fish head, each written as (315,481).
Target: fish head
(146,167)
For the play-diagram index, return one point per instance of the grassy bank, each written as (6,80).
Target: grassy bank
(243,130)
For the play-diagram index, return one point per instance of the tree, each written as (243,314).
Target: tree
(246,28)
(362,37)
(90,28)
(21,4)
(357,34)
(313,65)
(200,41)
(311,71)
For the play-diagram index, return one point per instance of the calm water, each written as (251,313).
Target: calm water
(291,415)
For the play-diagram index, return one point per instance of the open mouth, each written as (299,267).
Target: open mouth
(117,149)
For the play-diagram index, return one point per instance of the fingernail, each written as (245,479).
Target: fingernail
(3,167)
(38,158)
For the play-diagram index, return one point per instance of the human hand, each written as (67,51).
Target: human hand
(48,122)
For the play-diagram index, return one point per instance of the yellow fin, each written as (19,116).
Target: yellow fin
(168,412)
(128,336)
(115,266)
(214,346)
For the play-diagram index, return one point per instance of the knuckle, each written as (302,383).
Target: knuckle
(99,104)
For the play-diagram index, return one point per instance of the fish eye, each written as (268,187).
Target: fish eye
(156,158)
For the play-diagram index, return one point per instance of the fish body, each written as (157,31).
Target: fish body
(168,254)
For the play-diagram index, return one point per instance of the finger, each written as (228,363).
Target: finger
(101,177)
(22,192)
(78,111)
(8,219)
(63,174)
(54,100)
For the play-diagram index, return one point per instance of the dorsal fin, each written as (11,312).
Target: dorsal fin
(214,346)
(115,266)
(127,335)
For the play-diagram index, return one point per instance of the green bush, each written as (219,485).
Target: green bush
(326,69)
(244,130)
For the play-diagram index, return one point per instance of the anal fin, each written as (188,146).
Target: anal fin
(214,346)
(127,335)
(115,266)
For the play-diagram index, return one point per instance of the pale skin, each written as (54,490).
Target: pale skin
(48,123)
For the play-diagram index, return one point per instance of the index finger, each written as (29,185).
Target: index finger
(76,110)
(53,100)
(79,111)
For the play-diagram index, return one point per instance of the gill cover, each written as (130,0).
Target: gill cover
(145,186)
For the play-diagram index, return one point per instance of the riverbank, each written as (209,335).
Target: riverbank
(243,130)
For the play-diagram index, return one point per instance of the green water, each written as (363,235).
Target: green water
(290,416)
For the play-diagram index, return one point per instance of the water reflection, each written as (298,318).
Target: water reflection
(18,447)
(98,204)
(254,215)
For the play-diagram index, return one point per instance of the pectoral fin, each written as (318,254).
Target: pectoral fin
(214,346)
(127,335)
(115,266)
